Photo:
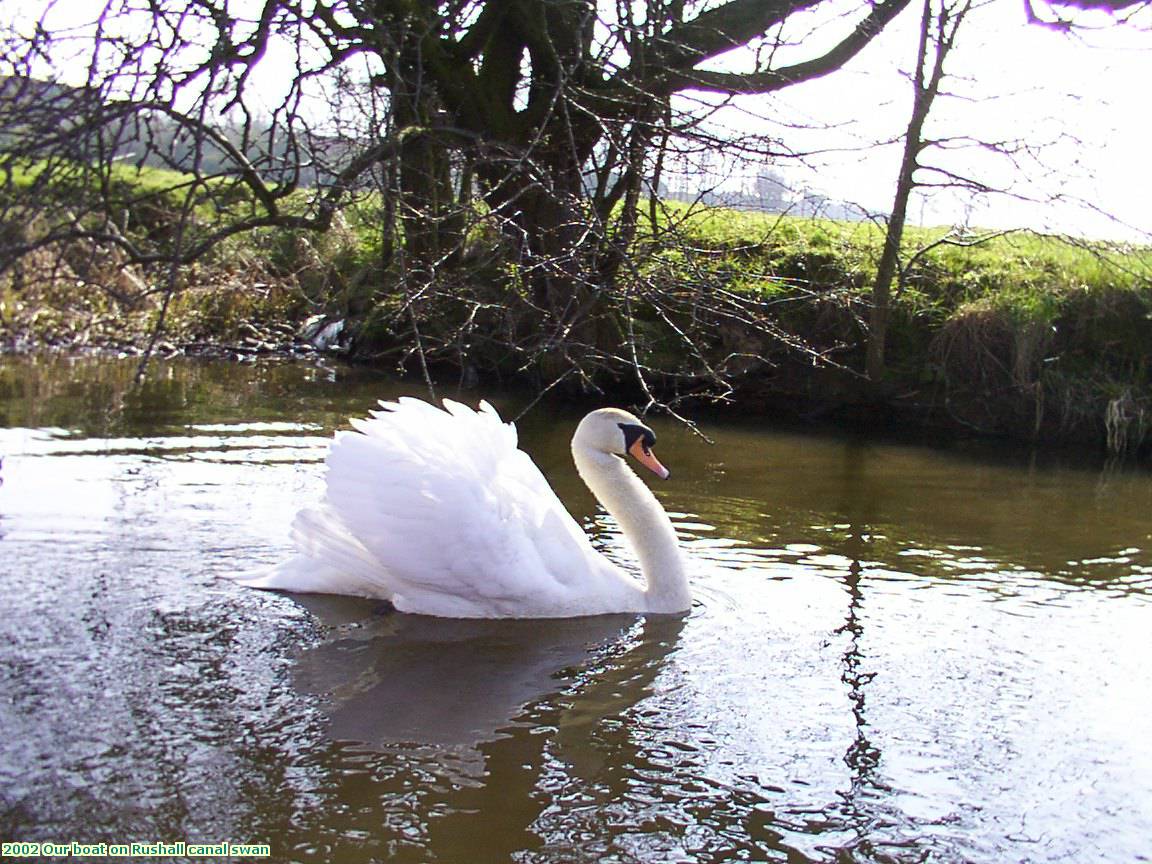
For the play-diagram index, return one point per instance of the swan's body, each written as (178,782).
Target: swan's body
(440,513)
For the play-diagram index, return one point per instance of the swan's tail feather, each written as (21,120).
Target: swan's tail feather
(305,575)
(331,561)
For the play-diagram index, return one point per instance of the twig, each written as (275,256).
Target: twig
(542,393)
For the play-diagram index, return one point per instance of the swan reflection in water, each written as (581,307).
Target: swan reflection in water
(392,678)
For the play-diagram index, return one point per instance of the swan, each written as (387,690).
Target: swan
(440,513)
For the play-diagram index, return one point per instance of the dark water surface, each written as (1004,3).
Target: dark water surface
(897,653)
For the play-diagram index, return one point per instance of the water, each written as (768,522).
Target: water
(897,653)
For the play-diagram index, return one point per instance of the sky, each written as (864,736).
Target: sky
(1083,93)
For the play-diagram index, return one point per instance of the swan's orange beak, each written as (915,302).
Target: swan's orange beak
(644,456)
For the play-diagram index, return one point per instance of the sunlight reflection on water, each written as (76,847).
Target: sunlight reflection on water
(895,654)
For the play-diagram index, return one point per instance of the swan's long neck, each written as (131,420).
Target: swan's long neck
(644,523)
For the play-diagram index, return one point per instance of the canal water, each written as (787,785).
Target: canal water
(897,652)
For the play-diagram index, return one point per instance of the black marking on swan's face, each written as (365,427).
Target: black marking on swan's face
(633,433)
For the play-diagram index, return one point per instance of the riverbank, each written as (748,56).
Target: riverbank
(1009,334)
(1033,338)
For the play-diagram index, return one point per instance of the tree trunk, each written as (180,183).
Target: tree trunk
(890,262)
(925,89)
(555,249)
(431,221)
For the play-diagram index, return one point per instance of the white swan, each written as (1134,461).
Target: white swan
(438,512)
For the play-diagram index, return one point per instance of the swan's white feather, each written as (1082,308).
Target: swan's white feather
(439,512)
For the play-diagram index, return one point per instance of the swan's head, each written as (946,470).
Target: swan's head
(610,430)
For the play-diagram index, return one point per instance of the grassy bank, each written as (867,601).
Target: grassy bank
(1000,332)
(251,293)
(1010,333)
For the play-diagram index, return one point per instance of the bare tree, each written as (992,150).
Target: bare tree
(537,122)
(940,25)
(940,21)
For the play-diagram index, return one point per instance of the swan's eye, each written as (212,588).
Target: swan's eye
(633,433)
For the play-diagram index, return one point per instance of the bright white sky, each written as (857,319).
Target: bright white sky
(1088,91)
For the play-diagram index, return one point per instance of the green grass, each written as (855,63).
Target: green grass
(1014,331)
(996,319)
(1006,260)
(1022,275)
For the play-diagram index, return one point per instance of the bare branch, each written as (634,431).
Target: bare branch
(776,79)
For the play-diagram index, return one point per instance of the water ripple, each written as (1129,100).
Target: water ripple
(894,656)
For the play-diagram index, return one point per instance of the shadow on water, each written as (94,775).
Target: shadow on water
(390,678)
(863,757)
(482,710)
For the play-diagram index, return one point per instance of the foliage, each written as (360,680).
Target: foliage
(1009,331)
(514,139)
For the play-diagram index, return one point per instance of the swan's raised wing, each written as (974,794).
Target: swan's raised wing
(451,517)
